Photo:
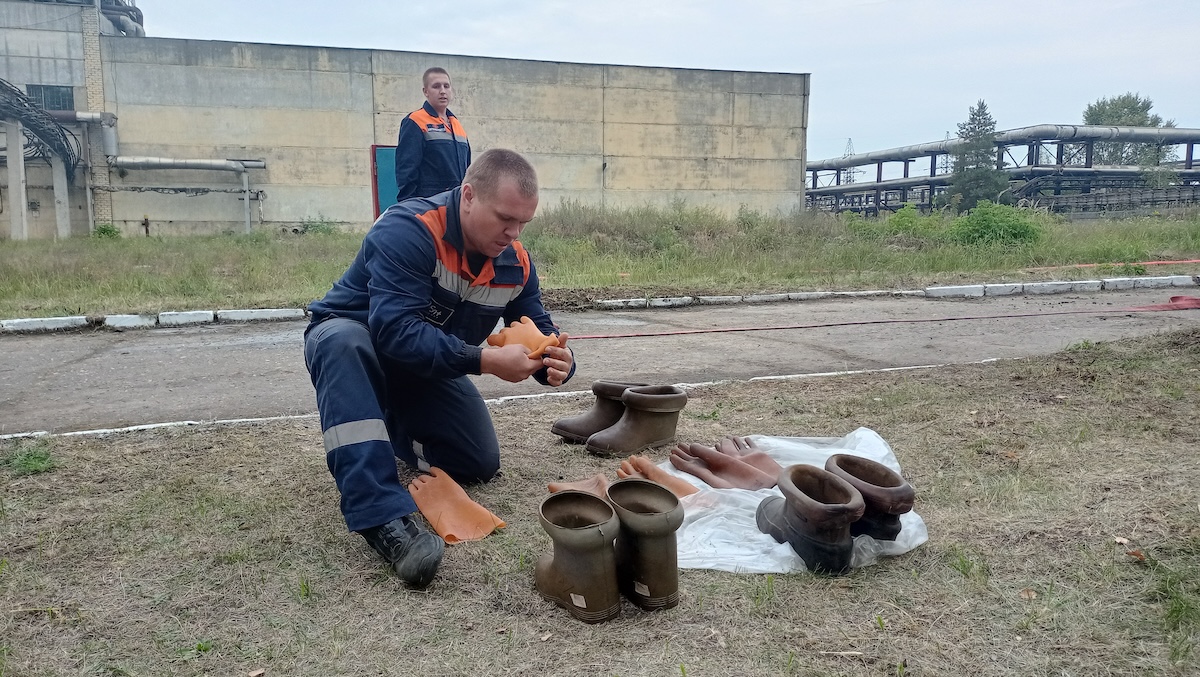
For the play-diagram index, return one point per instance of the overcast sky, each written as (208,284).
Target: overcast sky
(885,73)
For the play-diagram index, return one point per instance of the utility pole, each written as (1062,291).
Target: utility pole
(849,174)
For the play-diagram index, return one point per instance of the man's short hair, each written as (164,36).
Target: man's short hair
(486,171)
(431,71)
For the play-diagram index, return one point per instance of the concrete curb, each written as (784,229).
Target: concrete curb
(165,319)
(198,317)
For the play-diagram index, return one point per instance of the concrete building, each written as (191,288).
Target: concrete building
(197,127)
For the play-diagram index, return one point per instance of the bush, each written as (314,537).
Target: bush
(990,223)
(906,222)
(320,225)
(106,231)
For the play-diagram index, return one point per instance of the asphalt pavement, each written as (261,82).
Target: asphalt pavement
(88,379)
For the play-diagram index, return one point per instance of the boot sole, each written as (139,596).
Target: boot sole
(582,614)
(568,437)
(621,452)
(655,603)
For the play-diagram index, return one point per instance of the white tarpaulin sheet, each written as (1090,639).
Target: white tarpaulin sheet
(720,532)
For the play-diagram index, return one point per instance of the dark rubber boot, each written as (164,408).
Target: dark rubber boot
(647,554)
(651,415)
(813,516)
(581,575)
(886,495)
(605,412)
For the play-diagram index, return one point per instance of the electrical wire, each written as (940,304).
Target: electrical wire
(47,136)
(1176,303)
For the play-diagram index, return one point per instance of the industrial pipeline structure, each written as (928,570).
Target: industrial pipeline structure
(1049,166)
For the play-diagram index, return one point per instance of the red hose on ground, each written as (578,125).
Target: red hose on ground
(1176,303)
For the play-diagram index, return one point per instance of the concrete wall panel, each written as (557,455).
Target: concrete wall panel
(642,106)
(767,143)
(667,80)
(771,83)
(769,110)
(568,172)
(200,126)
(218,54)
(767,175)
(41,57)
(41,17)
(682,141)
(211,87)
(522,101)
(537,136)
(666,174)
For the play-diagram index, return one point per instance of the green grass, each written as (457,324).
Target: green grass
(28,458)
(604,253)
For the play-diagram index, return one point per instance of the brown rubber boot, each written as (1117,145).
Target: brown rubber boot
(813,516)
(605,412)
(886,494)
(647,553)
(651,414)
(581,574)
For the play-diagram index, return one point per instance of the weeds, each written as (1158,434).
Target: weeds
(609,252)
(29,458)
(106,231)
(1177,589)
(318,225)
(971,566)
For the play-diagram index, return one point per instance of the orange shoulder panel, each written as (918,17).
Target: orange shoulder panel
(435,223)
(523,257)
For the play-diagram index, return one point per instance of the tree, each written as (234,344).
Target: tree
(1127,110)
(975,176)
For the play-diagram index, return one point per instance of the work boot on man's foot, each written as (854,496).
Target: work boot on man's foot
(413,552)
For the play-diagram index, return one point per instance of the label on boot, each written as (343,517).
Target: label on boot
(578,601)
(641,588)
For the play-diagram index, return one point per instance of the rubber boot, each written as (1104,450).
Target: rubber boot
(581,574)
(813,516)
(605,412)
(886,495)
(651,415)
(647,553)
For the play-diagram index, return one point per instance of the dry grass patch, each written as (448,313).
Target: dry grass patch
(219,550)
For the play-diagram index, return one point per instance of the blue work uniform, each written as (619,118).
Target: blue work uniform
(432,154)
(389,349)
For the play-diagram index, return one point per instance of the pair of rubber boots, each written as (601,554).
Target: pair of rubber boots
(625,419)
(587,573)
(822,510)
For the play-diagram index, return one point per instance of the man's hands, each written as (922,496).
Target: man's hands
(513,363)
(558,361)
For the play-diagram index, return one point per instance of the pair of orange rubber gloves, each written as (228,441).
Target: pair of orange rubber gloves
(447,507)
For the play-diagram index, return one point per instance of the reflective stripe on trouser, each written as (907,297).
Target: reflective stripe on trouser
(369,420)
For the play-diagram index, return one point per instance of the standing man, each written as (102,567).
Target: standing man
(432,153)
(389,349)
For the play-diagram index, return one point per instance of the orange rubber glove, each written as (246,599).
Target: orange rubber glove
(451,513)
(527,334)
